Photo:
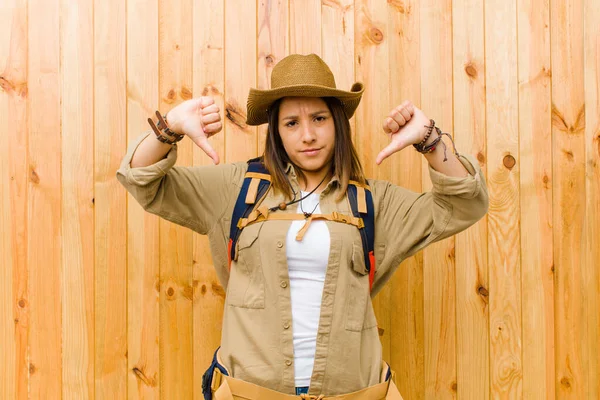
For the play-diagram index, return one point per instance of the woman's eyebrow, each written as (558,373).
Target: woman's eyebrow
(311,115)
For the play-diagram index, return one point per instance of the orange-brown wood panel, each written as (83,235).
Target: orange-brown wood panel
(176,242)
(110,200)
(143,284)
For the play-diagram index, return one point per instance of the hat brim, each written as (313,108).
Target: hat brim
(259,101)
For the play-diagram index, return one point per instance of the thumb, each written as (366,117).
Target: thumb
(388,151)
(203,143)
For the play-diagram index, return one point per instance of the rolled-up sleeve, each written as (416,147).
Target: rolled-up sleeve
(195,197)
(406,221)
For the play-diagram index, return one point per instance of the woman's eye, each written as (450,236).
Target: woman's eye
(320,118)
(290,124)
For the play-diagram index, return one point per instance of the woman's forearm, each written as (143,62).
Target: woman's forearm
(149,152)
(452,166)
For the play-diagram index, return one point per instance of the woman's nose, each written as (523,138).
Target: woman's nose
(308,134)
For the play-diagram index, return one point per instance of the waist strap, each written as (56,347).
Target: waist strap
(228,388)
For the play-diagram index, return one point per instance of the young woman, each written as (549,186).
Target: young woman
(298,317)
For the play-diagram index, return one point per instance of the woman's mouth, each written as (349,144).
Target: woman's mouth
(311,152)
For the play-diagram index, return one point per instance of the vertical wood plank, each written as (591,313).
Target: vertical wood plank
(535,140)
(240,75)
(208,80)
(14,300)
(305,27)
(338,43)
(472,287)
(406,286)
(372,68)
(438,259)
(503,217)
(143,284)
(273,45)
(77,290)
(176,242)
(568,137)
(44,200)
(110,144)
(590,247)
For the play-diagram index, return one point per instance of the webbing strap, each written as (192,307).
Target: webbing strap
(367,233)
(262,214)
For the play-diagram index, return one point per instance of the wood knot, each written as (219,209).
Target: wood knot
(176,47)
(568,154)
(170,292)
(546,180)
(375,35)
(170,97)
(509,161)
(188,292)
(6,85)
(203,289)
(16,321)
(480,158)
(33,176)
(381,331)
(235,115)
(32,368)
(471,70)
(22,303)
(269,60)
(141,377)
(483,291)
(218,290)
(185,93)
(565,382)
(210,89)
(93,200)
(454,387)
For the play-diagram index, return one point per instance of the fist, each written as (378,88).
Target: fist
(199,119)
(406,125)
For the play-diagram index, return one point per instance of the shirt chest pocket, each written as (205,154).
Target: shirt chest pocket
(246,286)
(359,309)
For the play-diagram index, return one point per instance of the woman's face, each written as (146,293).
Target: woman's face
(308,133)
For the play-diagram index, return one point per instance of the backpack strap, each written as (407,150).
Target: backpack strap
(256,184)
(361,202)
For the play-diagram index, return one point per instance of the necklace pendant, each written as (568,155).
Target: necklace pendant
(307,215)
(282,206)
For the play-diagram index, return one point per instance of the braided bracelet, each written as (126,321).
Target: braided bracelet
(169,136)
(432,146)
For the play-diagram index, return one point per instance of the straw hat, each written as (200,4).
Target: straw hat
(302,76)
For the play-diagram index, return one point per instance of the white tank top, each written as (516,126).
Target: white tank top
(307,264)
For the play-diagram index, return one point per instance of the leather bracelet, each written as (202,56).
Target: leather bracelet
(162,131)
(429,130)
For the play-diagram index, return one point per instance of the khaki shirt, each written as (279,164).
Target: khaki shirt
(256,343)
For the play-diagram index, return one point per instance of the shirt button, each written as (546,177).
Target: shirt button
(283,284)
(286,325)
(288,362)
(279,244)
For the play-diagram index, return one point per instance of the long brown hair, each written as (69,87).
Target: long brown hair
(345,163)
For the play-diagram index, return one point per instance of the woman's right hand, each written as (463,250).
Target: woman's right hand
(199,119)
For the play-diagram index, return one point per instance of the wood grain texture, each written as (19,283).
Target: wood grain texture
(337,18)
(143,283)
(506,365)
(406,286)
(372,68)
(208,80)
(273,43)
(591,239)
(240,76)
(472,275)
(77,294)
(44,199)
(568,139)
(110,143)
(305,27)
(438,259)
(14,298)
(176,242)
(535,140)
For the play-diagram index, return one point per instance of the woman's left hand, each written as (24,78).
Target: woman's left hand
(406,125)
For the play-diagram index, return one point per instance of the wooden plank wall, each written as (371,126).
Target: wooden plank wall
(99,299)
